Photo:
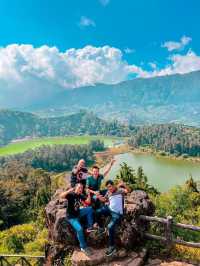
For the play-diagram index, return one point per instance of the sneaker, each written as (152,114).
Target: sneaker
(86,251)
(89,230)
(110,251)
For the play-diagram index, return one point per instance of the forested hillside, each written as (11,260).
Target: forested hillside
(171,138)
(17,125)
(56,157)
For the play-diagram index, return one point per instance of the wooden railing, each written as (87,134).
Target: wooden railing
(168,226)
(23,260)
(168,239)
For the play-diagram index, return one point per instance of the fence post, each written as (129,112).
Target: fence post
(168,232)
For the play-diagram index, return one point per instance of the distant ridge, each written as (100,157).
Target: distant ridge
(164,99)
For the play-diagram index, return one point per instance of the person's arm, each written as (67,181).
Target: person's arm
(109,167)
(103,199)
(73,179)
(92,192)
(121,185)
(63,195)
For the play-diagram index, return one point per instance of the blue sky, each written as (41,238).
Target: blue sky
(141,25)
(73,43)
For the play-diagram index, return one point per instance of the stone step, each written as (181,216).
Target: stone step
(98,257)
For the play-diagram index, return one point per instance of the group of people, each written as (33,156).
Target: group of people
(87,200)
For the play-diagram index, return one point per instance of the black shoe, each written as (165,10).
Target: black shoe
(110,251)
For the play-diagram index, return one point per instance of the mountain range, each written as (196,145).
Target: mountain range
(166,99)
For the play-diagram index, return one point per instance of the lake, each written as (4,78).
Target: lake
(163,173)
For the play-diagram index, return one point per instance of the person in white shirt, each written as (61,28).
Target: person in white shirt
(114,207)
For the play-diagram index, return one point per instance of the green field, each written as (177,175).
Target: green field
(22,146)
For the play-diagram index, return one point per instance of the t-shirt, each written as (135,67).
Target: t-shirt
(74,203)
(79,176)
(94,183)
(116,201)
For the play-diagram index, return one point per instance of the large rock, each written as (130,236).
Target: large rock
(129,233)
(121,258)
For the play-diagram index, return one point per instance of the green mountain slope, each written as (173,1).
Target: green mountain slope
(174,98)
(16,125)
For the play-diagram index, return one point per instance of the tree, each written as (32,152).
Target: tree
(135,181)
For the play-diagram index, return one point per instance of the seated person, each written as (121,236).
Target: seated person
(93,182)
(79,173)
(114,207)
(75,211)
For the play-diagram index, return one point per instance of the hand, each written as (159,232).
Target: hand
(97,193)
(100,197)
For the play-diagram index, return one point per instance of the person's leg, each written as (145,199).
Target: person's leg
(115,218)
(88,213)
(79,232)
(103,211)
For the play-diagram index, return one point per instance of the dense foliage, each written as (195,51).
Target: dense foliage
(171,138)
(17,125)
(25,238)
(56,157)
(23,192)
(135,180)
(183,204)
(25,187)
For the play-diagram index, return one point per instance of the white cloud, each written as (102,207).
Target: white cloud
(153,65)
(104,2)
(128,50)
(44,70)
(24,64)
(170,45)
(179,64)
(86,22)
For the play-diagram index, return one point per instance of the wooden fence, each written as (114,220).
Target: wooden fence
(23,260)
(168,234)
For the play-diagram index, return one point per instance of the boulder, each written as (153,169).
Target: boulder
(121,258)
(129,232)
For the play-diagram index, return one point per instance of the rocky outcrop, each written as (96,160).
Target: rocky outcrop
(121,258)
(129,233)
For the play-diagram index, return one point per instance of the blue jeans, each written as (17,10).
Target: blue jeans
(75,223)
(115,219)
